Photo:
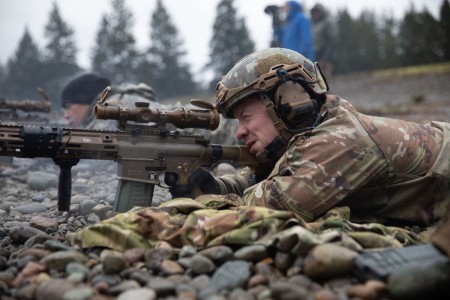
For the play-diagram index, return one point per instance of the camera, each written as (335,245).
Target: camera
(272,9)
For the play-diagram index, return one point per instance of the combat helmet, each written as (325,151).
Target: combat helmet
(291,87)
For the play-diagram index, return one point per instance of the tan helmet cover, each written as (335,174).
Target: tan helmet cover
(256,73)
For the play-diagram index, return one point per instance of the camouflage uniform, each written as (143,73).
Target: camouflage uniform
(390,169)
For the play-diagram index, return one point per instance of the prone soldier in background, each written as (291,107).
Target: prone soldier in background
(79,98)
(80,95)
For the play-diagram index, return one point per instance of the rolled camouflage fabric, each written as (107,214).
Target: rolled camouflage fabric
(212,220)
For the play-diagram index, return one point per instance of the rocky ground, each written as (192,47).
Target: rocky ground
(36,262)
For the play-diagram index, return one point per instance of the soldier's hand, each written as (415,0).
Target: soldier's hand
(200,182)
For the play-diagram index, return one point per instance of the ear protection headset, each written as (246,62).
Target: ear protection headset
(295,102)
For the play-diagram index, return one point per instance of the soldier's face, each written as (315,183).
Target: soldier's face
(75,114)
(255,127)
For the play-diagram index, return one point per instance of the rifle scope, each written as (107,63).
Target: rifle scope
(180,117)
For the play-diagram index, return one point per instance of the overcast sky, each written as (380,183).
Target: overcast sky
(193,19)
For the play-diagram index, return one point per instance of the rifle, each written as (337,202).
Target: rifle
(27,104)
(147,155)
(26,111)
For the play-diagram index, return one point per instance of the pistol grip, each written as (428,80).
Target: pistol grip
(65,182)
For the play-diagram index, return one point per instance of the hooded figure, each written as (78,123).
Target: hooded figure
(296,33)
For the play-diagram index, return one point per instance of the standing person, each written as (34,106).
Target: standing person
(320,152)
(325,38)
(296,31)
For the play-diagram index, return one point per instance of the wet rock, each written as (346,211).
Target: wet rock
(113,262)
(123,286)
(134,255)
(43,223)
(60,259)
(171,267)
(162,287)
(328,261)
(230,275)
(42,181)
(251,253)
(283,260)
(53,289)
(287,291)
(80,293)
(31,208)
(20,234)
(200,264)
(141,294)
(86,207)
(218,254)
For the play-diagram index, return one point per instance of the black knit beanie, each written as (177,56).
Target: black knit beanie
(83,89)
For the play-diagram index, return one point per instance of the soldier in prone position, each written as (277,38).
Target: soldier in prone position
(80,95)
(318,152)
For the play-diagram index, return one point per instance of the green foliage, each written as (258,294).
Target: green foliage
(61,40)
(345,46)
(115,55)
(419,38)
(389,49)
(59,56)
(162,65)
(24,71)
(444,25)
(230,40)
(366,42)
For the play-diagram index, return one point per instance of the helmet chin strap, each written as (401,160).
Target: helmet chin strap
(276,148)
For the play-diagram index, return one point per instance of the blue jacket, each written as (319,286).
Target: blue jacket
(297,32)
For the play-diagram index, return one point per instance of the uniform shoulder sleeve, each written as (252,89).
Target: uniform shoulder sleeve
(321,169)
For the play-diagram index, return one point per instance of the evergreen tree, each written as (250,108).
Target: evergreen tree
(345,47)
(230,41)
(389,56)
(60,55)
(367,42)
(444,23)
(115,55)
(163,67)
(2,79)
(419,38)
(24,70)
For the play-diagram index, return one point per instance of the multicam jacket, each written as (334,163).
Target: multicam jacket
(388,169)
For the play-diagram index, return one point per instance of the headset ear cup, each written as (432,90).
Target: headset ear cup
(293,103)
